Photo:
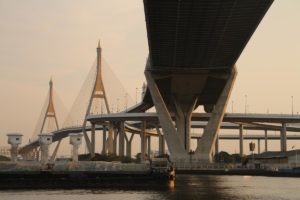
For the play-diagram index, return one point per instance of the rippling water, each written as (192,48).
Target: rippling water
(186,187)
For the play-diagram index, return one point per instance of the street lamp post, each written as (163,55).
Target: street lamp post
(245,104)
(117,104)
(136,91)
(292,105)
(125,103)
(296,159)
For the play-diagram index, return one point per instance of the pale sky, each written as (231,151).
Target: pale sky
(58,38)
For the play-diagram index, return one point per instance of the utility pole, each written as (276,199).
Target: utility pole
(245,104)
(292,105)
(136,91)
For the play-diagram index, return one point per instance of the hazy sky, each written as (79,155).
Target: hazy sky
(58,38)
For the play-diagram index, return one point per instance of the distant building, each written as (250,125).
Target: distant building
(277,159)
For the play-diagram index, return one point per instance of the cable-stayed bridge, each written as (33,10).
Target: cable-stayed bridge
(193,48)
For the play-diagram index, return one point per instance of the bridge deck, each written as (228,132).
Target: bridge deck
(201,38)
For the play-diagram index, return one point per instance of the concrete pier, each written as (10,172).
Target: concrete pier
(75,141)
(204,151)
(93,138)
(45,140)
(116,133)
(110,139)
(241,140)
(217,145)
(283,146)
(104,148)
(161,142)
(148,146)
(266,140)
(258,146)
(143,140)
(14,139)
(121,139)
(128,144)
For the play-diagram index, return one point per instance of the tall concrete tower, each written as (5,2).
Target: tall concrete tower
(97,93)
(50,112)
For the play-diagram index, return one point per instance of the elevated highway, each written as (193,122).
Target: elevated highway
(193,48)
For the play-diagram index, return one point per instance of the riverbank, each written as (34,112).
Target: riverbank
(78,180)
(98,174)
(241,172)
(86,174)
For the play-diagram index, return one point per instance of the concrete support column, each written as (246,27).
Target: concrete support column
(110,139)
(174,142)
(198,142)
(14,152)
(14,139)
(121,139)
(45,140)
(205,148)
(149,145)
(93,141)
(183,116)
(104,141)
(266,140)
(75,153)
(217,145)
(161,142)
(116,133)
(75,141)
(44,153)
(283,138)
(241,140)
(258,146)
(162,149)
(128,145)
(143,140)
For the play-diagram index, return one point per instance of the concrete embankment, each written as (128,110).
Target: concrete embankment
(26,175)
(238,172)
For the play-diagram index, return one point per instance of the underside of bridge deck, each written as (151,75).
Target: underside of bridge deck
(193,48)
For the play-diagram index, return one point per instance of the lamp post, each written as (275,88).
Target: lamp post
(296,159)
(245,104)
(117,104)
(136,91)
(125,103)
(292,105)
(252,148)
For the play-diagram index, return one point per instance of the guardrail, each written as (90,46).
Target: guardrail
(197,165)
(5,151)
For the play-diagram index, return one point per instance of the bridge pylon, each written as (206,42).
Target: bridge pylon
(50,114)
(97,93)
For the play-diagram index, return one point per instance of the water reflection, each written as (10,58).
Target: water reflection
(185,187)
(197,187)
(171,185)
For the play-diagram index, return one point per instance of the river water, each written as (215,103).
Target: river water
(185,187)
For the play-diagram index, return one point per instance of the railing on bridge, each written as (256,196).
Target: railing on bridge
(193,164)
(5,151)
